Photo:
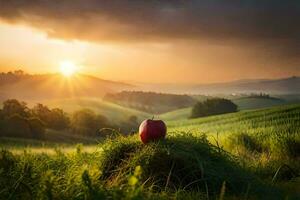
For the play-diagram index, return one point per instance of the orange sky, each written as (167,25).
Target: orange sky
(37,42)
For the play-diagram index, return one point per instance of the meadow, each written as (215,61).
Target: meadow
(243,103)
(111,110)
(245,155)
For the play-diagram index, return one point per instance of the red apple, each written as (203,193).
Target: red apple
(151,130)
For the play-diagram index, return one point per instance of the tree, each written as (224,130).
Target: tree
(213,107)
(55,119)
(86,122)
(42,112)
(17,126)
(1,115)
(37,127)
(13,106)
(59,120)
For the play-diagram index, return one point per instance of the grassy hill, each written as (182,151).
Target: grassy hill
(151,102)
(281,119)
(245,155)
(176,114)
(112,111)
(248,103)
(243,103)
(39,87)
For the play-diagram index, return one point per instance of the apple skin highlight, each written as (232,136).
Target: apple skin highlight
(152,130)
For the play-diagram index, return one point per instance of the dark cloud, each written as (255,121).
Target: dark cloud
(272,23)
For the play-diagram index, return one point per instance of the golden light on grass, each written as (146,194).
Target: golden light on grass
(68,68)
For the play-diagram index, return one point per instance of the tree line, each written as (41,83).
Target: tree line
(18,120)
(150,102)
(213,106)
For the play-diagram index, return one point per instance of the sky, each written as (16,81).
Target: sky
(177,41)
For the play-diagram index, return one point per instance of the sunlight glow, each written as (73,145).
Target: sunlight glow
(67,68)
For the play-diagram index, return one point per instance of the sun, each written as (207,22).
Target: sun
(67,68)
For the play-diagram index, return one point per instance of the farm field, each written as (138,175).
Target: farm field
(245,103)
(244,155)
(256,103)
(269,120)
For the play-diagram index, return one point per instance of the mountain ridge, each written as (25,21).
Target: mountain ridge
(50,86)
(24,86)
(287,85)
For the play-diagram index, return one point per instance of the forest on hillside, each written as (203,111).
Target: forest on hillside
(150,102)
(19,120)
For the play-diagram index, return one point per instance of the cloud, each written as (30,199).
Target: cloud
(273,24)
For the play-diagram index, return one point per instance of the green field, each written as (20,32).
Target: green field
(256,103)
(246,155)
(117,113)
(176,114)
(52,140)
(245,103)
(253,121)
(110,110)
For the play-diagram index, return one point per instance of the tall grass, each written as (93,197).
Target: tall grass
(276,130)
(245,155)
(179,167)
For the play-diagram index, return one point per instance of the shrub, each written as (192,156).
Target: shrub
(213,107)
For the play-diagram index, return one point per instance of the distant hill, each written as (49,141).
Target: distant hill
(290,85)
(52,86)
(151,102)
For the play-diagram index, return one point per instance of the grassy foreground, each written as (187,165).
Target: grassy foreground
(245,155)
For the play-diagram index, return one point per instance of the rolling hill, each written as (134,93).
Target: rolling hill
(243,103)
(176,114)
(265,121)
(53,86)
(151,102)
(289,85)
(247,103)
(241,149)
(112,111)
